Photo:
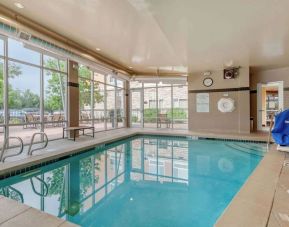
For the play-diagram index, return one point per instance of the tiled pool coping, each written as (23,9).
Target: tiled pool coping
(18,167)
(248,208)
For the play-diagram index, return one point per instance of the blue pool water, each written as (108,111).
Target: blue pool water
(141,181)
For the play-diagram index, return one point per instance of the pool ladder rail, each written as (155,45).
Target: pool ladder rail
(5,147)
(30,150)
(3,156)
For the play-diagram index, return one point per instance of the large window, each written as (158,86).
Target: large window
(33,91)
(33,94)
(102,100)
(159,105)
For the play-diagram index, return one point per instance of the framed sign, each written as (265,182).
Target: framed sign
(203,103)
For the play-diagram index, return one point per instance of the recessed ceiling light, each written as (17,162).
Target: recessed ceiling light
(98,49)
(19,5)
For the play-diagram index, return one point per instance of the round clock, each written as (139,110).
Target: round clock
(208,82)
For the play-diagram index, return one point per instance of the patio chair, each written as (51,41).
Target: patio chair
(30,121)
(56,118)
(163,119)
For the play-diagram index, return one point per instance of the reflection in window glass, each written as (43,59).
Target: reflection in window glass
(136,154)
(150,154)
(99,195)
(86,176)
(54,202)
(54,63)
(29,196)
(111,164)
(24,94)
(99,170)
(17,51)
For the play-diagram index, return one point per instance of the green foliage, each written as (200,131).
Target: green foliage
(150,115)
(14,70)
(84,72)
(86,173)
(56,184)
(19,100)
(56,181)
(177,113)
(87,179)
(55,90)
(85,88)
(135,119)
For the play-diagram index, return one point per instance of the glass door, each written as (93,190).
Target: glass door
(136,106)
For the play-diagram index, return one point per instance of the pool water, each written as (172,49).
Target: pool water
(140,181)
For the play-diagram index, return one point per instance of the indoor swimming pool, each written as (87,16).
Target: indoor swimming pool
(140,181)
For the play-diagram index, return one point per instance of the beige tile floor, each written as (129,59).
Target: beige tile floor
(252,206)
(14,214)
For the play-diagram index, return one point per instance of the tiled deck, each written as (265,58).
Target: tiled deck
(17,214)
(251,207)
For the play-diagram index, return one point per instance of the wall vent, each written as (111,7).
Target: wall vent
(24,35)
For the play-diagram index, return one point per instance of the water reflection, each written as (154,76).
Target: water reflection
(173,182)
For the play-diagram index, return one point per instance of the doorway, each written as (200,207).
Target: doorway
(269,102)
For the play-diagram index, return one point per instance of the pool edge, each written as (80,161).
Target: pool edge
(252,205)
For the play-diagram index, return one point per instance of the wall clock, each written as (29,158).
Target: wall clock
(208,82)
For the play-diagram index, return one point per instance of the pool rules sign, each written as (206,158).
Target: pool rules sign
(203,103)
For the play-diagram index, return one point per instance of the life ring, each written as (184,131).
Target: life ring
(226,105)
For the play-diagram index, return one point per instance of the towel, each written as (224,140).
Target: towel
(280,132)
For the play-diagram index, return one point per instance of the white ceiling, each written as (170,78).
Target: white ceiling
(180,35)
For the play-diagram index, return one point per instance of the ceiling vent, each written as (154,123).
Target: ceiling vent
(24,35)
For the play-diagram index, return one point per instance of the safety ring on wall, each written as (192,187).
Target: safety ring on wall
(226,105)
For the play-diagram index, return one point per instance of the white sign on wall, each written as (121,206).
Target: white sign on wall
(203,102)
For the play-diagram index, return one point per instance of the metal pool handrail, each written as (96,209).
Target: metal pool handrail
(4,148)
(30,150)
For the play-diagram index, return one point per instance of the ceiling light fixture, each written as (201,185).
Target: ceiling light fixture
(130,67)
(19,5)
(98,49)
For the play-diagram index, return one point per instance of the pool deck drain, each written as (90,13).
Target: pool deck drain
(252,206)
